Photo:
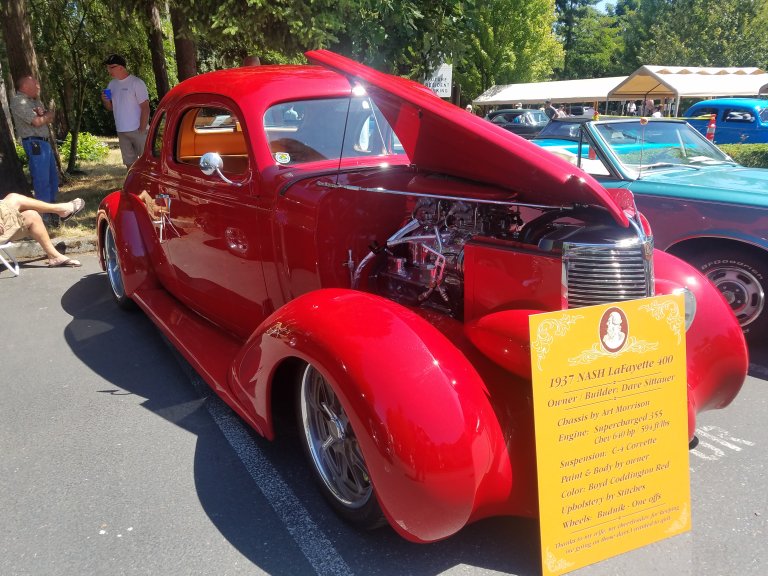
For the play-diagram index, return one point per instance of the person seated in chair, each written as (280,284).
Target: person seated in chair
(20,218)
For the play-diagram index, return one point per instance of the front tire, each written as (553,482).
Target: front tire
(115,272)
(741,279)
(334,453)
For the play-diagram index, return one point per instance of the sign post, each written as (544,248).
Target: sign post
(610,410)
(441,81)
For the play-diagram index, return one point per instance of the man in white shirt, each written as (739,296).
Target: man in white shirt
(126,96)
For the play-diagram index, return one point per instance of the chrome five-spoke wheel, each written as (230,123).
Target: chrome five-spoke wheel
(334,452)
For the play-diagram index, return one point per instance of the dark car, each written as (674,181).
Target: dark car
(703,207)
(521,121)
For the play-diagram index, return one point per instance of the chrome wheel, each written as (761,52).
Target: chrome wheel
(331,444)
(114,272)
(740,275)
(741,290)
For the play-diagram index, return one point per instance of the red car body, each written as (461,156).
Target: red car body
(402,270)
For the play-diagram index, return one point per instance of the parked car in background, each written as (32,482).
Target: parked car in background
(578,110)
(520,121)
(738,120)
(703,206)
(370,262)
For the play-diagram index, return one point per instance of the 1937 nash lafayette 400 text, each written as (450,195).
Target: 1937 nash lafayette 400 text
(343,240)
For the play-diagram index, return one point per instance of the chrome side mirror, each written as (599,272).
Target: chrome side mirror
(211,162)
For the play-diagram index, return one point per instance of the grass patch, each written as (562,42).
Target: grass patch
(97,180)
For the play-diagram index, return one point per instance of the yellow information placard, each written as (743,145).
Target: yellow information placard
(610,409)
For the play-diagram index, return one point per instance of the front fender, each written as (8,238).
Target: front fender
(716,352)
(117,211)
(431,440)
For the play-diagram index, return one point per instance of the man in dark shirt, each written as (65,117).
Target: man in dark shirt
(550,110)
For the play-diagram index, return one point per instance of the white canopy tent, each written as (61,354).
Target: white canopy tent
(563,91)
(669,82)
(675,82)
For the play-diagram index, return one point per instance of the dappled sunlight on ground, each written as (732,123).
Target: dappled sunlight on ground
(97,180)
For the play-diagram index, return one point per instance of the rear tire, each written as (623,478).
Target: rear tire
(115,271)
(741,278)
(334,453)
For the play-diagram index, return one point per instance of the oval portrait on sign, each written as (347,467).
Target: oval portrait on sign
(613,329)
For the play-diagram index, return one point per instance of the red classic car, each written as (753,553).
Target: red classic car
(343,241)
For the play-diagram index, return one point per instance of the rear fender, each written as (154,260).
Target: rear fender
(118,211)
(432,443)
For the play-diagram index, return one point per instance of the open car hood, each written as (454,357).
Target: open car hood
(440,137)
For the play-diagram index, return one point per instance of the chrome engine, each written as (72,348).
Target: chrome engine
(422,264)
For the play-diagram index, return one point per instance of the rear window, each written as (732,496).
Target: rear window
(742,115)
(206,129)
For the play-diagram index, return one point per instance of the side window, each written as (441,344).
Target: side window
(705,111)
(208,129)
(327,129)
(741,115)
(157,138)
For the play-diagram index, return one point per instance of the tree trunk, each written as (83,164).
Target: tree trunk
(22,58)
(186,51)
(11,173)
(156,48)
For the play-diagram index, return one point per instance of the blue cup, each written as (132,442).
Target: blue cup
(108,93)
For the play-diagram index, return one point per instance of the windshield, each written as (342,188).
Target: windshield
(560,130)
(640,146)
(536,117)
(311,130)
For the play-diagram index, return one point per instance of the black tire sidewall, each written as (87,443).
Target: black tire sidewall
(747,262)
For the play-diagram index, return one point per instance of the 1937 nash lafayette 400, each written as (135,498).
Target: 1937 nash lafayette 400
(343,240)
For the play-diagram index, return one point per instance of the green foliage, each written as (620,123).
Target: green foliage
(89,147)
(403,37)
(21,154)
(597,48)
(752,155)
(698,33)
(508,41)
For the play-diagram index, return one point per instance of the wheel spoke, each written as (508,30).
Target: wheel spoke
(332,443)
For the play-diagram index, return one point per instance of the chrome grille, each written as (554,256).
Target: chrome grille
(598,274)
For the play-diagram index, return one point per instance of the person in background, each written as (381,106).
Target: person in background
(20,217)
(550,110)
(519,105)
(631,108)
(31,121)
(251,61)
(126,96)
(657,112)
(469,108)
(648,107)
(561,113)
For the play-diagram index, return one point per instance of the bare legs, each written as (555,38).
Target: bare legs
(30,211)
(23,203)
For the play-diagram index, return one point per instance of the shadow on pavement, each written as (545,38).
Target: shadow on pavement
(128,351)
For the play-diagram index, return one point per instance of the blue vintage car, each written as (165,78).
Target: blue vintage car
(702,206)
(738,120)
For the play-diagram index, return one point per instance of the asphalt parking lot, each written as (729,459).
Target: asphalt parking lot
(118,460)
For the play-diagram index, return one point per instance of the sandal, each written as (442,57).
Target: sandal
(66,263)
(77,205)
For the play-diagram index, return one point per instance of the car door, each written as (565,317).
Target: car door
(211,233)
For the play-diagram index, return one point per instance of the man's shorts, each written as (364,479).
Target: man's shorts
(11,224)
